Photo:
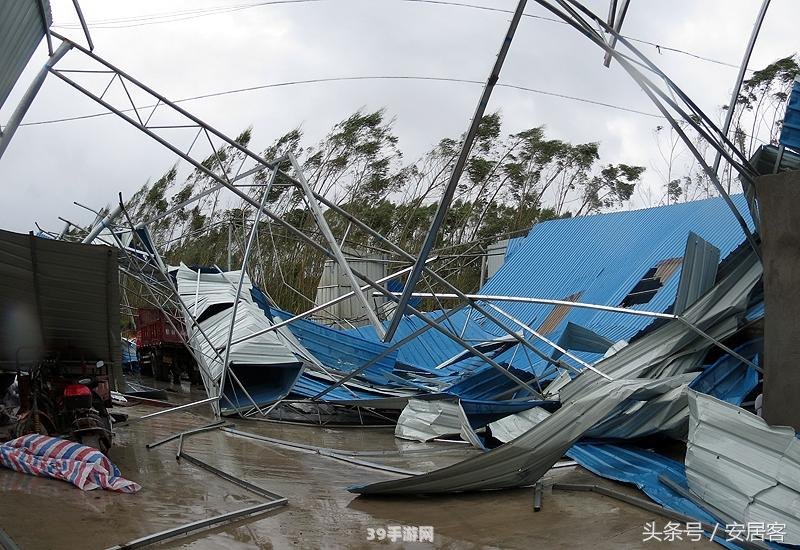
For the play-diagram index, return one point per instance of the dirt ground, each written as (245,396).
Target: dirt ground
(47,514)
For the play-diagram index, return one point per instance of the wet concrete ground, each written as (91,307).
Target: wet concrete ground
(48,514)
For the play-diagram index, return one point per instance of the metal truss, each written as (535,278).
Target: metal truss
(162,120)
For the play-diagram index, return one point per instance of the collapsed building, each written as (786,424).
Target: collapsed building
(597,334)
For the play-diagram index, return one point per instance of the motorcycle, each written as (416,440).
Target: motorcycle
(64,398)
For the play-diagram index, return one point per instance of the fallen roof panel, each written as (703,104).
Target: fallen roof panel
(742,466)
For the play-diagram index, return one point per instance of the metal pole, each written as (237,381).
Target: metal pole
(104,223)
(449,192)
(543,301)
(316,211)
(83,24)
(202,524)
(615,20)
(178,409)
(30,95)
(246,257)
(610,309)
(230,243)
(740,78)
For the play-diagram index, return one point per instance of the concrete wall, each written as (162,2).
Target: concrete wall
(778,199)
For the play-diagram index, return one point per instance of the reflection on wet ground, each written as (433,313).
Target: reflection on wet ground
(41,513)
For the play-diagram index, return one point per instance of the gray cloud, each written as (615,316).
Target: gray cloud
(90,161)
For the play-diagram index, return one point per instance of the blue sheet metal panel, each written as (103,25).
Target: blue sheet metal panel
(641,468)
(21,30)
(604,256)
(266,384)
(431,348)
(336,349)
(513,245)
(129,352)
(487,383)
(306,387)
(790,133)
(728,378)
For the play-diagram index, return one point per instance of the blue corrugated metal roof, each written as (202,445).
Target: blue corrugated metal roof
(336,349)
(790,133)
(728,378)
(602,257)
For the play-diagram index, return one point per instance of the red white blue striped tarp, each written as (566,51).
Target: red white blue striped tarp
(85,467)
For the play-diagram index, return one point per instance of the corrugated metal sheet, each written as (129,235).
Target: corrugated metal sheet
(21,30)
(727,379)
(524,460)
(514,425)
(700,261)
(426,419)
(742,466)
(62,295)
(333,283)
(266,365)
(590,398)
(603,257)
(790,133)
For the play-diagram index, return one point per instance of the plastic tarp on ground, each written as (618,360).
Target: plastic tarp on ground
(671,347)
(742,466)
(83,466)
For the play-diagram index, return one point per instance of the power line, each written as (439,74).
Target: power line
(355,78)
(183,15)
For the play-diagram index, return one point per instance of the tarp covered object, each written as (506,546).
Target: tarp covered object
(44,456)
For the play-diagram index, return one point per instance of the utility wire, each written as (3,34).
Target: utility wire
(354,78)
(183,15)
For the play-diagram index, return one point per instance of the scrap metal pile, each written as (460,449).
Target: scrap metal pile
(595,333)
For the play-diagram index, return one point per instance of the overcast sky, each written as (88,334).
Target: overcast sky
(90,161)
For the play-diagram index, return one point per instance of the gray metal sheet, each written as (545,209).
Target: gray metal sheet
(215,289)
(589,398)
(700,261)
(78,298)
(514,425)
(742,466)
(21,30)
(426,419)
(524,460)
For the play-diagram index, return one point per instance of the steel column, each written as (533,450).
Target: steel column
(322,223)
(452,184)
(30,95)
